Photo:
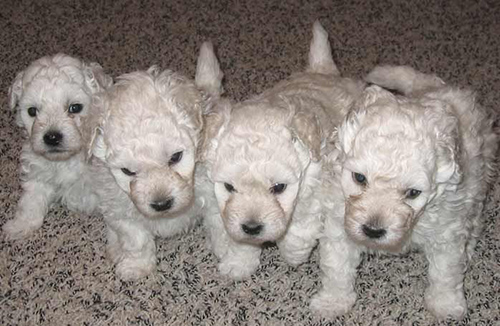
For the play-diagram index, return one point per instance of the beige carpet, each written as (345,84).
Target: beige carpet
(60,276)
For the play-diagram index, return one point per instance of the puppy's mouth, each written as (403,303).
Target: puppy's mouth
(57,154)
(252,240)
(151,214)
(376,239)
(56,150)
(162,210)
(254,237)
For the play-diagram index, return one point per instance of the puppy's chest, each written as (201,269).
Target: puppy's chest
(61,175)
(75,173)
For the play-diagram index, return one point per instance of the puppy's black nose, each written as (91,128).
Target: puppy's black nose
(252,228)
(373,233)
(52,138)
(162,205)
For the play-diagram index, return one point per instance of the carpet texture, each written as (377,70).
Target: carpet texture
(60,275)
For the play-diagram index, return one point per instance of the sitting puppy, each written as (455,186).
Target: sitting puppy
(264,158)
(52,98)
(144,154)
(410,171)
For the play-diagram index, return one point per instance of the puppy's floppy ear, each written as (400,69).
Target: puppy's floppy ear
(92,128)
(347,131)
(15,93)
(304,125)
(97,146)
(16,90)
(445,127)
(193,102)
(215,123)
(95,78)
(306,128)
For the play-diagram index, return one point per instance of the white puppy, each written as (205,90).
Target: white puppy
(412,171)
(263,157)
(146,149)
(52,98)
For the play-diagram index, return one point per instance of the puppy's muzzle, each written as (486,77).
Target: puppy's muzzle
(162,205)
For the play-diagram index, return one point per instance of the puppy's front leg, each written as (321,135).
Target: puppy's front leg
(31,209)
(240,261)
(132,248)
(338,262)
(301,237)
(237,260)
(447,263)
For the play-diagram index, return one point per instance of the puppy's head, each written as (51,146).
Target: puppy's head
(258,153)
(148,139)
(52,98)
(397,156)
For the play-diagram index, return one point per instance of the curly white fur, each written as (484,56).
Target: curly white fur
(52,99)
(263,157)
(145,168)
(410,170)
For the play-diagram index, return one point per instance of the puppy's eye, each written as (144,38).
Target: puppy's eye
(412,193)
(175,158)
(229,187)
(128,172)
(278,188)
(359,178)
(32,111)
(75,108)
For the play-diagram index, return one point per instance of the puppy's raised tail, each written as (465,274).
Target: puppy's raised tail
(404,79)
(208,73)
(320,53)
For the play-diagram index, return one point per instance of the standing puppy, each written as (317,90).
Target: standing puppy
(52,98)
(413,171)
(145,162)
(264,158)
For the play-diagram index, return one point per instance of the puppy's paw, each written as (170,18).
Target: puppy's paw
(132,269)
(20,228)
(237,268)
(115,252)
(328,305)
(446,303)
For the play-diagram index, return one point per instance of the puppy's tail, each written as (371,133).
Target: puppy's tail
(404,79)
(320,53)
(208,73)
